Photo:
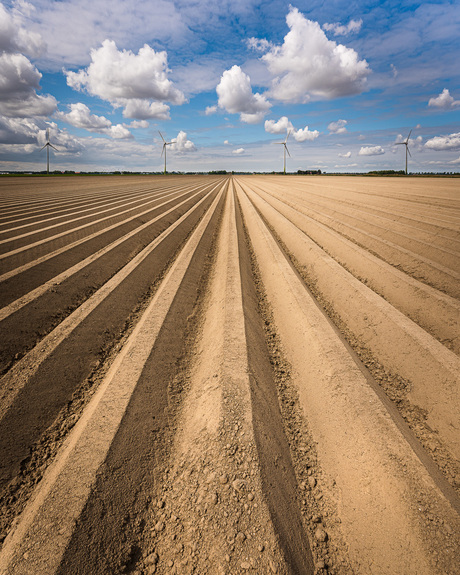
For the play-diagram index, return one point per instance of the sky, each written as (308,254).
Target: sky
(226,81)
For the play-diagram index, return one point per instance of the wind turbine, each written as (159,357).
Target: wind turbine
(48,145)
(285,150)
(406,143)
(165,143)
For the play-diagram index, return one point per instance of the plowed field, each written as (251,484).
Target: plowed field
(225,375)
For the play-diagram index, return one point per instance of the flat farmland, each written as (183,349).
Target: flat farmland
(226,375)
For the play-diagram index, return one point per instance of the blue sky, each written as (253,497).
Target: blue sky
(223,80)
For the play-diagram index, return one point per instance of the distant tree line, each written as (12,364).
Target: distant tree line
(388,172)
(225,172)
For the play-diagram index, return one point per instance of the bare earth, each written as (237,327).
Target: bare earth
(225,375)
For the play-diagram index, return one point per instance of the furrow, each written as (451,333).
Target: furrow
(69,216)
(41,259)
(340,198)
(396,341)
(48,285)
(415,265)
(35,192)
(422,244)
(377,198)
(118,213)
(436,312)
(390,224)
(51,207)
(85,202)
(222,455)
(380,487)
(245,375)
(134,203)
(62,495)
(63,361)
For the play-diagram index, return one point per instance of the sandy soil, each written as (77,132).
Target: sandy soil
(229,375)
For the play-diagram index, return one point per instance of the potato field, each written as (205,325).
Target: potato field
(223,375)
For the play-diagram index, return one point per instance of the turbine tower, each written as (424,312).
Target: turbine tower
(48,145)
(285,150)
(406,143)
(165,143)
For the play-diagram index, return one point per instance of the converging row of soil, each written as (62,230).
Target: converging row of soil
(229,375)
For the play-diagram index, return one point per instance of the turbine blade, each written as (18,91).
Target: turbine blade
(47,134)
(287,150)
(43,147)
(51,146)
(409,151)
(409,136)
(287,135)
(161,135)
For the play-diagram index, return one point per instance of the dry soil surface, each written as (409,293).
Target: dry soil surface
(222,375)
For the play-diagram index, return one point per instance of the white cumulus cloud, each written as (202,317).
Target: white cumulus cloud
(64,142)
(279,127)
(71,27)
(339,30)
(19,80)
(371,151)
(444,101)
(440,143)
(283,125)
(81,117)
(238,151)
(19,131)
(137,124)
(309,65)
(414,143)
(144,110)
(18,76)
(235,95)
(210,110)
(346,155)
(119,132)
(181,144)
(338,127)
(138,82)
(14,37)
(305,134)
